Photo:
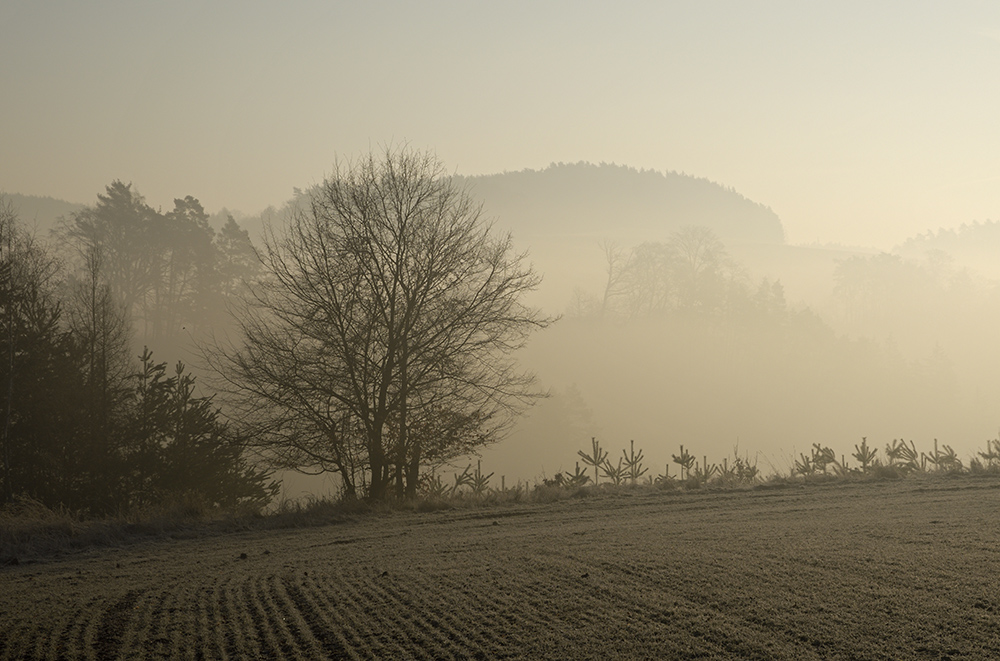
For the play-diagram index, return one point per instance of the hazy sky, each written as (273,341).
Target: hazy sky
(861,122)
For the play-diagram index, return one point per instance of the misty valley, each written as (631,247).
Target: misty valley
(683,319)
(399,347)
(500,330)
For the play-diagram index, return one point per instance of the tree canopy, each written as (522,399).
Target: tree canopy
(83,426)
(382,334)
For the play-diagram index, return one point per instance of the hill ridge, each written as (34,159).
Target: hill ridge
(592,199)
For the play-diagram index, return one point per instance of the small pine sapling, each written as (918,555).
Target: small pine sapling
(823,457)
(578,478)
(804,465)
(568,480)
(596,458)
(686,461)
(479,482)
(664,479)
(904,456)
(746,473)
(434,486)
(864,455)
(943,460)
(947,460)
(931,458)
(727,473)
(705,472)
(992,454)
(558,480)
(614,473)
(633,464)
(461,480)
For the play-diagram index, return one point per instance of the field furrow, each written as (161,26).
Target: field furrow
(241,638)
(289,611)
(395,628)
(432,624)
(811,573)
(453,614)
(113,623)
(270,632)
(16,641)
(326,628)
(211,631)
(148,613)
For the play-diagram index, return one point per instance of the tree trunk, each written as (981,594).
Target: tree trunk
(378,488)
(413,471)
(350,493)
(401,463)
(397,478)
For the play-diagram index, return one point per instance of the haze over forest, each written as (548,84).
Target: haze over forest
(771,348)
(763,226)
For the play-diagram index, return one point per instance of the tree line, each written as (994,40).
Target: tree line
(85,424)
(690,276)
(372,335)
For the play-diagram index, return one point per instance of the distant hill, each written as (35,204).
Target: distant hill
(564,213)
(40,214)
(614,201)
(580,200)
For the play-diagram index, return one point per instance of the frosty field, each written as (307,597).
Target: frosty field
(876,570)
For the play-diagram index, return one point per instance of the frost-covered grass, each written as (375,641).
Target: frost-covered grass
(804,568)
(28,529)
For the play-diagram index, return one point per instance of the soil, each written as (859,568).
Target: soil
(880,570)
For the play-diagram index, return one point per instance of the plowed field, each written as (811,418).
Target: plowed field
(903,570)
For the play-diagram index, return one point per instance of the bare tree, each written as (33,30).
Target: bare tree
(388,303)
(649,288)
(618,265)
(697,259)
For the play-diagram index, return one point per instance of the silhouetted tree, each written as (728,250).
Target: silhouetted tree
(36,362)
(164,269)
(178,445)
(80,428)
(122,228)
(387,300)
(691,274)
(697,259)
(57,437)
(237,262)
(186,277)
(100,326)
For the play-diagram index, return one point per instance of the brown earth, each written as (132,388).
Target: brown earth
(890,570)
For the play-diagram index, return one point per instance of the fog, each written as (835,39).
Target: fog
(800,344)
(687,318)
(838,161)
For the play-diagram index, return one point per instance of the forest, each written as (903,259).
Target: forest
(713,335)
(370,335)
(92,421)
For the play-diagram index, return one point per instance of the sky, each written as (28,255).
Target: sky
(860,123)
